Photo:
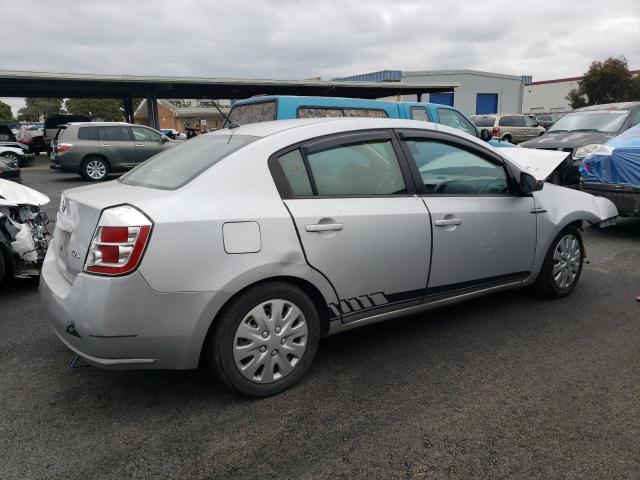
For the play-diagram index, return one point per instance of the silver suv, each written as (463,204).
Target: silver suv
(241,248)
(95,149)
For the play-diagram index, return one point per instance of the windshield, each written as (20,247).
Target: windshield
(253,112)
(177,166)
(606,121)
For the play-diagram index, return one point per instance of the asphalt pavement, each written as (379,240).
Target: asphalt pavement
(509,386)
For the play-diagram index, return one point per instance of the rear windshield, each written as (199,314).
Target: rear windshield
(177,166)
(253,112)
(483,121)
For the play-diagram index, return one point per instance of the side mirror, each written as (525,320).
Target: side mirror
(528,183)
(164,139)
(485,135)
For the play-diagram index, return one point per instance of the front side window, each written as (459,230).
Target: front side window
(114,134)
(450,170)
(367,168)
(418,113)
(451,118)
(141,134)
(253,112)
(529,122)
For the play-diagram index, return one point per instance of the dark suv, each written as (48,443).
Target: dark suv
(94,149)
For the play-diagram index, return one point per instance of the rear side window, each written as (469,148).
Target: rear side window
(177,166)
(321,112)
(507,122)
(419,114)
(253,112)
(114,134)
(293,167)
(88,133)
(367,168)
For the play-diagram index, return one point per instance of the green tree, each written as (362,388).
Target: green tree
(37,107)
(6,115)
(106,109)
(634,89)
(604,82)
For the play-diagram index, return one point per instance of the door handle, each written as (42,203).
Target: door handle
(324,227)
(447,222)
(104,145)
(139,145)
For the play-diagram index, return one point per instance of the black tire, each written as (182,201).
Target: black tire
(95,169)
(506,138)
(220,347)
(3,267)
(545,283)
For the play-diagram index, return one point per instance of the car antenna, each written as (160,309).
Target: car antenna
(227,122)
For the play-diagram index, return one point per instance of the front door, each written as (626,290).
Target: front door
(147,143)
(359,221)
(484,232)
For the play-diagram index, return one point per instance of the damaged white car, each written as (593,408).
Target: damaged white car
(24,236)
(243,247)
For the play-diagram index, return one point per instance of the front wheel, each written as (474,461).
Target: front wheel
(12,157)
(95,169)
(562,265)
(265,340)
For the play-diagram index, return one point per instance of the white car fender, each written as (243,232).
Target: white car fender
(557,207)
(17,151)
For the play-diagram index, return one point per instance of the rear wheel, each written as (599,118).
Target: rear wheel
(507,138)
(563,264)
(265,341)
(95,169)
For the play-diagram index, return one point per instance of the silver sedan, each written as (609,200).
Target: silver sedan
(242,248)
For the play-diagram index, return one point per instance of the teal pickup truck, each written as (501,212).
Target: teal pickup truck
(283,107)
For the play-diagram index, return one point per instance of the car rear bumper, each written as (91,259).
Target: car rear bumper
(121,323)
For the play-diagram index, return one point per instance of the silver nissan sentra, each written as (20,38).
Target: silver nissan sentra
(242,248)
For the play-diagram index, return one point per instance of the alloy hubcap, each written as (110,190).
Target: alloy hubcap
(96,169)
(566,261)
(10,156)
(270,341)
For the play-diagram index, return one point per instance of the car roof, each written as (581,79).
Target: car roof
(103,124)
(609,106)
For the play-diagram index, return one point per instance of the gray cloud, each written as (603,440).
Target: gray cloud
(305,38)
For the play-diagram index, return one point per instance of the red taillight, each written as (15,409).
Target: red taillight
(118,242)
(495,131)
(63,147)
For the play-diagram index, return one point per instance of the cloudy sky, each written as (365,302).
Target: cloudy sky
(293,39)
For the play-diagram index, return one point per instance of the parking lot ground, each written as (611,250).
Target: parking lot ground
(509,386)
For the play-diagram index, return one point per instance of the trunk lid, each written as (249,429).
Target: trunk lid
(78,216)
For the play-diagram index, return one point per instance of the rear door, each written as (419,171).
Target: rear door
(147,143)
(484,231)
(116,146)
(352,200)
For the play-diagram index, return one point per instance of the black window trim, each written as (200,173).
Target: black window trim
(464,144)
(333,140)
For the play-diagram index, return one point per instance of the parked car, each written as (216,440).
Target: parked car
(33,139)
(283,107)
(546,120)
(245,246)
(15,155)
(24,237)
(21,152)
(95,149)
(9,169)
(53,122)
(511,128)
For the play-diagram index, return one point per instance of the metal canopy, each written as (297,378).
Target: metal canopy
(74,85)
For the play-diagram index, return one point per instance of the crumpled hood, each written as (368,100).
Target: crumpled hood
(567,140)
(538,163)
(12,193)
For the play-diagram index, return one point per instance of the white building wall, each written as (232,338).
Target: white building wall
(548,97)
(507,87)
